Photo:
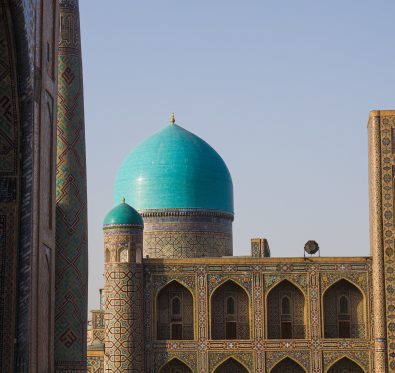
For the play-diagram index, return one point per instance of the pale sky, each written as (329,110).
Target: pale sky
(281,89)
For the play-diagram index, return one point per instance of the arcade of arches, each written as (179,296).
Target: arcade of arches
(344,311)
(287,366)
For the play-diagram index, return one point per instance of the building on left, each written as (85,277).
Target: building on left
(43,223)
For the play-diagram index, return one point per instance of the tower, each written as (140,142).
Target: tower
(381,199)
(183,190)
(71,268)
(123,290)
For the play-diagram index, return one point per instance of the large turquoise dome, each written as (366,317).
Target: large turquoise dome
(175,169)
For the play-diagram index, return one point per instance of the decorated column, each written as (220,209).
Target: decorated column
(71,201)
(377,241)
(123,291)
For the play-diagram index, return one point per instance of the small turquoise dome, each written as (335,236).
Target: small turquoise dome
(123,214)
(175,169)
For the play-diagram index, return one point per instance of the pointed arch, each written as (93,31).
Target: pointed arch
(287,365)
(175,366)
(123,255)
(343,305)
(107,256)
(230,325)
(286,311)
(174,312)
(345,365)
(231,365)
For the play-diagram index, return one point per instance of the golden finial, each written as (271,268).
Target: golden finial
(123,199)
(172,118)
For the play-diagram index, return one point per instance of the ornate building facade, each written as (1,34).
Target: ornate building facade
(38,273)
(175,300)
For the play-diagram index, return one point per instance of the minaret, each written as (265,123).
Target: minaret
(71,268)
(123,291)
(381,197)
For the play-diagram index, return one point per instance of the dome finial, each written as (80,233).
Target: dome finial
(123,199)
(172,118)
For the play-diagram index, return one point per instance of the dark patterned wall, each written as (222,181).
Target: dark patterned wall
(34,29)
(71,200)
(9,182)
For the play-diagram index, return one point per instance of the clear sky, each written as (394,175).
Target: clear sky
(281,89)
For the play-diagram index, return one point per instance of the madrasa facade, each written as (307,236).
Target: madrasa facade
(176,300)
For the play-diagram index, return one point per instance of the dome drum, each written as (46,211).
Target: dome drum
(187,234)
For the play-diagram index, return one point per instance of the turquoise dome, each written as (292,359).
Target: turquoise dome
(123,214)
(175,169)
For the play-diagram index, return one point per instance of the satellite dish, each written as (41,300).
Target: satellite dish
(311,247)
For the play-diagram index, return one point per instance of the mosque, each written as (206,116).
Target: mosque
(176,300)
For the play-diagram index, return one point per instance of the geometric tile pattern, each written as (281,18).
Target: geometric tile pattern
(187,234)
(95,364)
(71,200)
(123,305)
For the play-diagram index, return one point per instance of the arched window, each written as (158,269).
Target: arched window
(344,311)
(285,312)
(345,366)
(285,305)
(287,366)
(123,255)
(176,308)
(174,312)
(286,318)
(230,306)
(108,256)
(343,305)
(230,312)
